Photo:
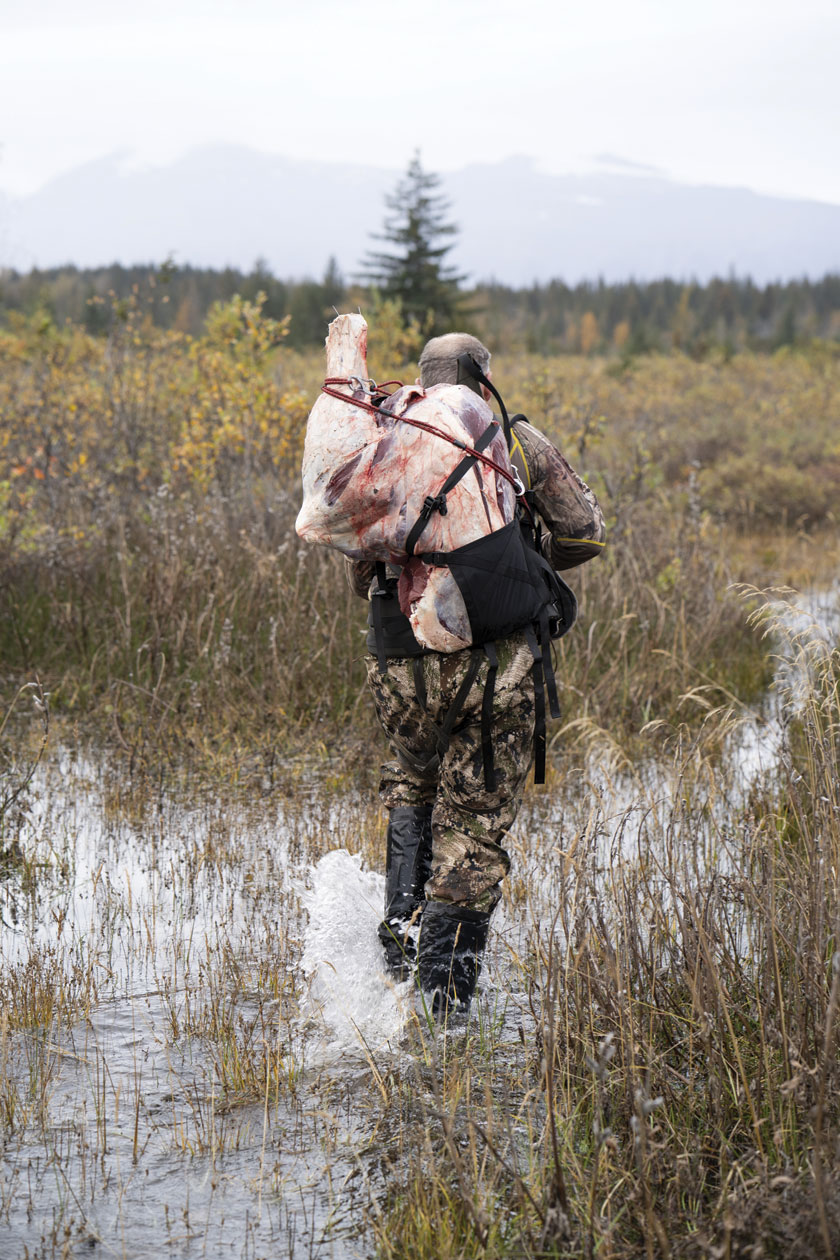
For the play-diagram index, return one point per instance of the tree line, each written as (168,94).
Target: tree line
(554,318)
(410,284)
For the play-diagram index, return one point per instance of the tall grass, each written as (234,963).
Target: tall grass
(651,1068)
(677,1089)
(150,574)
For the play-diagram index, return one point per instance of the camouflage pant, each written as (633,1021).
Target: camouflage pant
(468,822)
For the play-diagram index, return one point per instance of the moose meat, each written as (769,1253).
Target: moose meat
(366,477)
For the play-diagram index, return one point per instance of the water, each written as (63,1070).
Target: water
(217,1087)
(804,630)
(210,963)
(348,992)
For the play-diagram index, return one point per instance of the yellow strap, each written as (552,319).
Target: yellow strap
(590,542)
(516,445)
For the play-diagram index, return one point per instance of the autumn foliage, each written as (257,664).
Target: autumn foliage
(149,480)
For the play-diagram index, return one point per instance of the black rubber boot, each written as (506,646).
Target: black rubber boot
(452,941)
(408,866)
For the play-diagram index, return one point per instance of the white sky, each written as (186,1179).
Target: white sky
(740,92)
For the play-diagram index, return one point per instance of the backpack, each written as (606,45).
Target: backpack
(506,585)
(366,466)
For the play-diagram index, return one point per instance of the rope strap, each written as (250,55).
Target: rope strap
(374,409)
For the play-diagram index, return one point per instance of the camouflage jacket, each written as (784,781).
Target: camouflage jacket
(574,525)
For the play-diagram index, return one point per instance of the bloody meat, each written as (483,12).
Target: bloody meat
(366,477)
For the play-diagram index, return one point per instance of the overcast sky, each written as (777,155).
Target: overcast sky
(739,92)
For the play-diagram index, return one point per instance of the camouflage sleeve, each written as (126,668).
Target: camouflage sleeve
(565,502)
(359,575)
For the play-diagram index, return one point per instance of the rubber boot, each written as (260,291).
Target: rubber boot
(407,867)
(452,941)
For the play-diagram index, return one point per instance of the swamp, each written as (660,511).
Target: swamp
(200,1055)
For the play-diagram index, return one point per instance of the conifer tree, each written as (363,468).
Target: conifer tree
(414,271)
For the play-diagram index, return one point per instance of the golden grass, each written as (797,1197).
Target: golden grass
(653,1069)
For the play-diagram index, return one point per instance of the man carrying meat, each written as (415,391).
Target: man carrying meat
(446,825)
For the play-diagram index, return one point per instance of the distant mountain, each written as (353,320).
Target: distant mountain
(229,205)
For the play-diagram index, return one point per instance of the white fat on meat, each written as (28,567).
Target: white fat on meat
(366,478)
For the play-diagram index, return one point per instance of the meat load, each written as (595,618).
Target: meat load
(366,477)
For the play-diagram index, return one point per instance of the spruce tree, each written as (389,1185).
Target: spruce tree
(414,271)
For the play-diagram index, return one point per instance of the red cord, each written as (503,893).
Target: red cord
(418,424)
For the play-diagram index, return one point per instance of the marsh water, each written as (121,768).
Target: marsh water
(202,1033)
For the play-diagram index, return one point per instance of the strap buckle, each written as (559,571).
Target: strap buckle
(381,574)
(432,503)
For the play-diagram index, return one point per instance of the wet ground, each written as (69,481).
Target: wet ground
(154,949)
(197,1034)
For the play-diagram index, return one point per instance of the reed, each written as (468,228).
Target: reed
(652,1069)
(151,577)
(675,1092)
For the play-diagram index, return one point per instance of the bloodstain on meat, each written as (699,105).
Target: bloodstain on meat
(473,421)
(484,502)
(383,448)
(339,481)
(366,475)
(414,578)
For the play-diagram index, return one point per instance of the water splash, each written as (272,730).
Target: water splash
(359,1008)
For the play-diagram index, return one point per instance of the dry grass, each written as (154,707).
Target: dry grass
(150,574)
(652,1069)
(674,1092)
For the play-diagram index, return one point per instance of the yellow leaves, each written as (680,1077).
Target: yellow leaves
(755,438)
(588,332)
(392,340)
(86,417)
(240,329)
(95,416)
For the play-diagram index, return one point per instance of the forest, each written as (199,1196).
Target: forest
(728,314)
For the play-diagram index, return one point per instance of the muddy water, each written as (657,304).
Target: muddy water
(209,1082)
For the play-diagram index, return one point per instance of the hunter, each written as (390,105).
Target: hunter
(447,817)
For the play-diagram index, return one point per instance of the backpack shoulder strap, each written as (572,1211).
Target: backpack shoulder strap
(517,452)
(437,502)
(468,366)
